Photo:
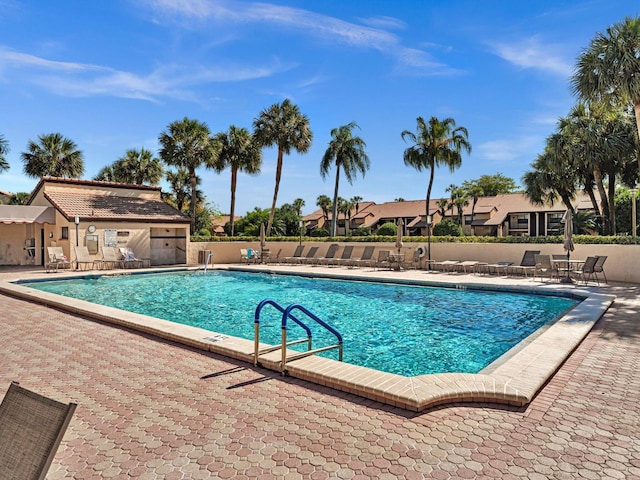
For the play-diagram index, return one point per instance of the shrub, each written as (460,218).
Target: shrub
(204,233)
(361,232)
(388,229)
(319,232)
(447,228)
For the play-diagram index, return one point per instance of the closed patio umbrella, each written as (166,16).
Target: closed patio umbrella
(568,240)
(399,244)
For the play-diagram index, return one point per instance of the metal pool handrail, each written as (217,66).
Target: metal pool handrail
(256,330)
(287,314)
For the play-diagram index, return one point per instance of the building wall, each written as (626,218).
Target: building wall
(618,266)
(12,244)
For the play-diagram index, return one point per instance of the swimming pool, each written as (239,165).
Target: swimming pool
(404,329)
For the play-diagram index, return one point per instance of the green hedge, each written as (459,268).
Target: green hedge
(578,239)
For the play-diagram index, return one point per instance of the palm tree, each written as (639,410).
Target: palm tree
(54,156)
(135,167)
(451,190)
(347,152)
(608,69)
(106,174)
(19,198)
(4,149)
(284,126)
(443,205)
(188,144)
(437,144)
(600,141)
(138,167)
(180,185)
(239,152)
(325,204)
(343,207)
(459,199)
(474,191)
(554,175)
(356,199)
(298,203)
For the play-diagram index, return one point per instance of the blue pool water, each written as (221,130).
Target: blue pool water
(402,329)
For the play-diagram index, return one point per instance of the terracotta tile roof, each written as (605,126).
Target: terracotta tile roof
(86,183)
(218,223)
(313,216)
(112,207)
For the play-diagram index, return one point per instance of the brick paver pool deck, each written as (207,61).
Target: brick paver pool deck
(151,409)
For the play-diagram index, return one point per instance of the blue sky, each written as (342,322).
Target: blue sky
(112,75)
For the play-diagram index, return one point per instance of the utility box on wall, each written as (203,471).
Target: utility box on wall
(91,242)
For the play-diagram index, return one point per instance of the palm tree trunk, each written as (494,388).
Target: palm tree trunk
(473,215)
(612,208)
(275,191)
(604,202)
(234,176)
(334,223)
(636,110)
(431,176)
(592,197)
(194,201)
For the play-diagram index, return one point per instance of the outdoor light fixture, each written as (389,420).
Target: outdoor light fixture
(301,225)
(77,222)
(429,242)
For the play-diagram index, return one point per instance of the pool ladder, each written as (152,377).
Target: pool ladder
(286,315)
(206,263)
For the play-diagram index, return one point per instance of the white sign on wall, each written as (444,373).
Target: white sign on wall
(110,238)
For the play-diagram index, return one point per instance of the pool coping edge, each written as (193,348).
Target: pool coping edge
(514,382)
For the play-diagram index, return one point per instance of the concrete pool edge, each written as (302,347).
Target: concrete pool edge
(514,382)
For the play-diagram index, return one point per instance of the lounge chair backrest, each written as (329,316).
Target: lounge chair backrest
(346,253)
(31,429)
(589,265)
(298,252)
(383,255)
(598,267)
(543,261)
(56,254)
(368,253)
(82,255)
(558,256)
(109,254)
(331,251)
(529,258)
(312,252)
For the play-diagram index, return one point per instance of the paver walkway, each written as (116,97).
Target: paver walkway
(150,409)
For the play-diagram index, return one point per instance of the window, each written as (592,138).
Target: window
(519,222)
(554,224)
(64,233)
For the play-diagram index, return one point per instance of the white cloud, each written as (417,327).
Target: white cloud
(505,150)
(10,57)
(84,80)
(532,53)
(384,22)
(323,27)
